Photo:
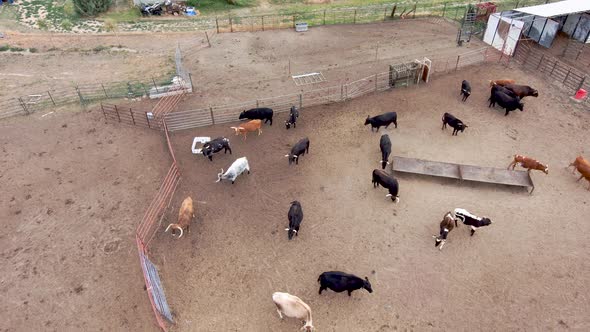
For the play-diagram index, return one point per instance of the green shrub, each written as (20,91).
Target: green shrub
(16,49)
(4,48)
(91,7)
(100,48)
(33,50)
(66,24)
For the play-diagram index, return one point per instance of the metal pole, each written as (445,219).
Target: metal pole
(231,27)
(23,105)
(414,14)
(354,19)
(53,101)
(80,95)
(300,101)
(103,113)
(289,66)
(217,24)
(375,82)
(444,10)
(576,28)
(104,90)
(132,117)
(581,83)
(147,94)
(543,30)
(207,35)
(342,92)
(567,75)
(324,17)
(190,78)
(457,65)
(155,86)
(118,116)
(393,10)
(262,22)
(540,61)
(552,69)
(147,118)
(212,117)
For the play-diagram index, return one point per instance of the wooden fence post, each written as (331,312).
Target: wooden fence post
(207,35)
(132,117)
(375,82)
(354,19)
(217,24)
(393,10)
(104,90)
(262,22)
(324,17)
(231,27)
(301,100)
(414,14)
(118,116)
(444,10)
(457,65)
(50,97)
(212,117)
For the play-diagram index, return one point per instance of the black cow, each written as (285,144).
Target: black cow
(215,146)
(385,146)
(496,88)
(295,217)
(458,125)
(522,90)
(293,115)
(465,90)
(299,149)
(505,101)
(384,119)
(340,282)
(386,181)
(472,220)
(261,113)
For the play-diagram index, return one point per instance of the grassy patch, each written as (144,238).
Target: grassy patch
(33,50)
(4,48)
(127,15)
(100,48)
(209,6)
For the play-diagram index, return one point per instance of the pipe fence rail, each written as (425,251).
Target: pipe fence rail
(532,59)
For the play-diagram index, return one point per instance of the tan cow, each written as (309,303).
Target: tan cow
(528,163)
(248,127)
(294,307)
(501,82)
(185,215)
(579,161)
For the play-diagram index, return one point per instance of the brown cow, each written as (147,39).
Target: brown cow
(185,215)
(579,161)
(585,171)
(249,126)
(522,90)
(529,164)
(501,82)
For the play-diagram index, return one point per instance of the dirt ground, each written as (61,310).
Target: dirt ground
(73,191)
(247,66)
(528,271)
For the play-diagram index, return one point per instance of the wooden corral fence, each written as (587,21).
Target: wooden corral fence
(145,232)
(559,72)
(377,82)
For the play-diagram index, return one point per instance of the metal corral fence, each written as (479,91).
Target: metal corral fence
(538,61)
(146,230)
(377,82)
(129,116)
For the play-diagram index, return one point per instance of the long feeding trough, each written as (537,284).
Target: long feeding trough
(463,172)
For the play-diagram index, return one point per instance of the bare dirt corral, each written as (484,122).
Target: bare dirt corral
(528,271)
(246,66)
(73,190)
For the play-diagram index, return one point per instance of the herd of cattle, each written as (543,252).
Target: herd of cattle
(505,93)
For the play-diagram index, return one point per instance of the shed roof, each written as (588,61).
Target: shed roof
(557,8)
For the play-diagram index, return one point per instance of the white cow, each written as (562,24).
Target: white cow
(237,167)
(294,307)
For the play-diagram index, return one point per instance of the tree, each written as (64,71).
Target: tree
(91,7)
